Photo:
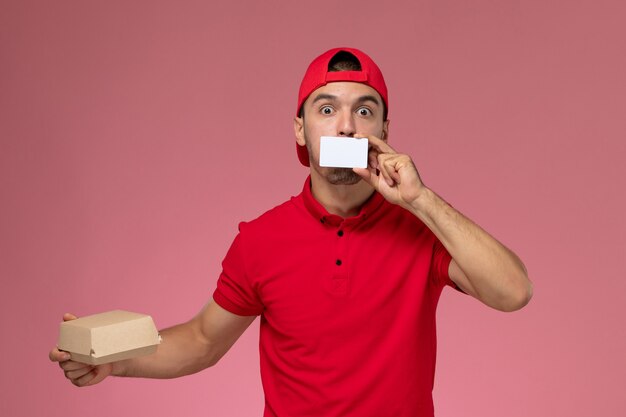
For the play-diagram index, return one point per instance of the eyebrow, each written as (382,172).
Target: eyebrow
(363,99)
(332,97)
(324,97)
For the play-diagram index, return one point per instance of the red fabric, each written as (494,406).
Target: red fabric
(349,338)
(317,75)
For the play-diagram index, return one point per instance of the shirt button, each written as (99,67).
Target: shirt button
(338,262)
(340,233)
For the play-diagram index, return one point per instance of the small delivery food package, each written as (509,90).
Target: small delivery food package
(108,337)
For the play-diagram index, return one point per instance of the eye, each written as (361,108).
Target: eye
(364,111)
(326,110)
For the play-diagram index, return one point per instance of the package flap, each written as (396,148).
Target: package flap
(113,335)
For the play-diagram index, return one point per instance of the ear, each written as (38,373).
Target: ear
(385,134)
(298,130)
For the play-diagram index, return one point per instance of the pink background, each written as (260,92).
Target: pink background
(135,135)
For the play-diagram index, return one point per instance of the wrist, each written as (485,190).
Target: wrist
(421,205)
(119,368)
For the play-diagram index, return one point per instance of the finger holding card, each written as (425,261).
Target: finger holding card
(392,174)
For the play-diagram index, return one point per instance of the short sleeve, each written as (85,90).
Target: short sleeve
(234,291)
(440,264)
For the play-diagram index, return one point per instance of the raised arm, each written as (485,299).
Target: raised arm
(481,266)
(185,349)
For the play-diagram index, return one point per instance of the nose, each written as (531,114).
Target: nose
(346,125)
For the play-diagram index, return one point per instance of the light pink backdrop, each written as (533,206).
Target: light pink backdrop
(135,135)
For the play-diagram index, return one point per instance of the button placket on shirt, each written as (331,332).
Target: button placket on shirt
(340,279)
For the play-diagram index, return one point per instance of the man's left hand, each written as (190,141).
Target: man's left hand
(391,173)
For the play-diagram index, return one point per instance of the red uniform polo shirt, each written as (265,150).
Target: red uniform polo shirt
(347,307)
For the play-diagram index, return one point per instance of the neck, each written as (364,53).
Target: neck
(341,200)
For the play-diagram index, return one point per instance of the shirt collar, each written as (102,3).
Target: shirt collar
(320,213)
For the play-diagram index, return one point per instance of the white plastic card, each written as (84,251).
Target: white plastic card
(343,152)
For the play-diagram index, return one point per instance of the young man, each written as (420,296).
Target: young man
(346,276)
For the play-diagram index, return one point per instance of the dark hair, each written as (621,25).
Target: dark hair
(345,61)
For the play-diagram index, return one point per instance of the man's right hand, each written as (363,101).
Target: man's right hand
(185,349)
(79,374)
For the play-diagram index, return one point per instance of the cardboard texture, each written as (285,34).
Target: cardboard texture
(108,337)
